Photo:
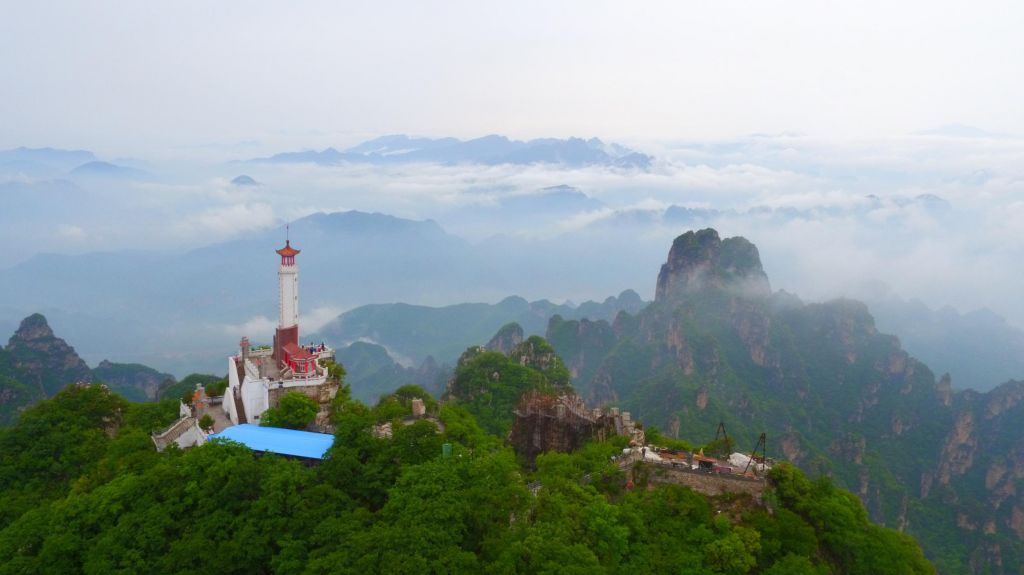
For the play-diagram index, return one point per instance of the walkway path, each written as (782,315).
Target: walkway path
(220,419)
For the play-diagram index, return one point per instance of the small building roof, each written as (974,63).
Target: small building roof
(288,250)
(276,440)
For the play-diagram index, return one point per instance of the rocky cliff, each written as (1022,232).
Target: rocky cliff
(834,394)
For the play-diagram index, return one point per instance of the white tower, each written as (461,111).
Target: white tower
(288,288)
(287,305)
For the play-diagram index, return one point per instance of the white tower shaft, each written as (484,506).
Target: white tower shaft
(288,296)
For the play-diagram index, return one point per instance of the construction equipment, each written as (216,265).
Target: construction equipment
(762,444)
(722,444)
(720,433)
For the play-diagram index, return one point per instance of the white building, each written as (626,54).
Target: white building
(259,376)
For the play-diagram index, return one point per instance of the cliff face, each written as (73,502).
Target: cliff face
(981,467)
(834,395)
(581,343)
(563,423)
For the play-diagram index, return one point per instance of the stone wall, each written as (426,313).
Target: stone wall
(711,484)
(318,393)
(563,423)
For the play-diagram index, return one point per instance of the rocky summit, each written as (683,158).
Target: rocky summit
(44,360)
(701,260)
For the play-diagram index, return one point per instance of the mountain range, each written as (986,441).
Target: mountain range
(486,150)
(199,301)
(423,343)
(418,332)
(834,394)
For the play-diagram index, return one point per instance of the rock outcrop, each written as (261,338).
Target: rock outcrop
(537,353)
(700,260)
(547,422)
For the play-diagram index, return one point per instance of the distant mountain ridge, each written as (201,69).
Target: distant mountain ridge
(100,169)
(371,372)
(487,150)
(979,349)
(42,161)
(354,258)
(371,337)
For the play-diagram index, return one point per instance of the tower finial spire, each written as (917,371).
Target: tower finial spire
(287,235)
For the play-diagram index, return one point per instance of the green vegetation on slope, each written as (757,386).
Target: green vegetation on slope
(391,505)
(489,383)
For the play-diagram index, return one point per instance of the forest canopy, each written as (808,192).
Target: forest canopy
(83,491)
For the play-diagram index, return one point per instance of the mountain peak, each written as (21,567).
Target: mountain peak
(44,358)
(702,260)
(244,180)
(32,328)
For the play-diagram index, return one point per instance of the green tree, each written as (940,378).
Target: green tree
(216,388)
(206,422)
(294,411)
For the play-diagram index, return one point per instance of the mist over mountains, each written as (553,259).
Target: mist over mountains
(933,217)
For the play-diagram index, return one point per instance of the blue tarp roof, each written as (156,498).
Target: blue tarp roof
(277,440)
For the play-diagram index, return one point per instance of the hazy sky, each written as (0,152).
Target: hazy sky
(829,195)
(136,78)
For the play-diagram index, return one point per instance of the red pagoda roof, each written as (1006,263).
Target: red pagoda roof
(288,250)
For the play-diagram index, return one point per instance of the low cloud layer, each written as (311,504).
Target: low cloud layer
(932,217)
